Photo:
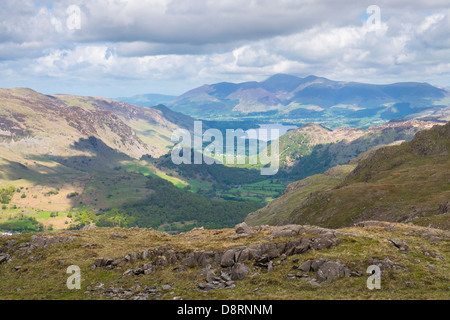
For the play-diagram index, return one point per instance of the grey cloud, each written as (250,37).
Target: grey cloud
(199,41)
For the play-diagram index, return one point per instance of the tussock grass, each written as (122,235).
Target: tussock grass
(46,277)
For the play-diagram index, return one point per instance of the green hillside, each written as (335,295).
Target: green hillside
(408,182)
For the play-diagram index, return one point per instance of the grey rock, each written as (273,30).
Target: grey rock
(286,231)
(400,244)
(100,262)
(270,266)
(321,243)
(7,246)
(4,258)
(161,261)
(305,266)
(444,208)
(133,257)
(312,265)
(239,271)
(210,276)
(331,270)
(89,227)
(225,276)
(205,258)
(180,268)
(228,258)
(383,264)
(39,242)
(117,236)
(317,263)
(189,260)
(243,228)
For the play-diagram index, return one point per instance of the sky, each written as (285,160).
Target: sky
(118,48)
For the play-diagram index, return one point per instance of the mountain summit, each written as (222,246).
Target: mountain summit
(289,98)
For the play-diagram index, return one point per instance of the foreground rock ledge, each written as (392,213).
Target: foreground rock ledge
(231,260)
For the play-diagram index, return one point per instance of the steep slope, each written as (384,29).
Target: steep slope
(289,98)
(395,183)
(278,211)
(150,125)
(33,123)
(54,146)
(177,118)
(313,149)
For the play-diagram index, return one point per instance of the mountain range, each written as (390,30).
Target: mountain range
(287,98)
(142,228)
(65,152)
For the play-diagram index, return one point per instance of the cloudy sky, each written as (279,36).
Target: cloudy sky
(118,48)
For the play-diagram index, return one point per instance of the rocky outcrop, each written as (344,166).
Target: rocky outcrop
(4,258)
(331,270)
(232,264)
(38,242)
(35,242)
(295,230)
(386,264)
(382,224)
(400,244)
(444,208)
(243,228)
(216,282)
(326,271)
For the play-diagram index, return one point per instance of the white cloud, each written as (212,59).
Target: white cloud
(173,45)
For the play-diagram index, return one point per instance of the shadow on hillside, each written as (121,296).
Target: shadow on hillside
(327,156)
(103,162)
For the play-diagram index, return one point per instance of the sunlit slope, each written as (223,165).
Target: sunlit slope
(395,183)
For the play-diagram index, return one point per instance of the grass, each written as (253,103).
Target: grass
(46,277)
(147,169)
(279,210)
(396,183)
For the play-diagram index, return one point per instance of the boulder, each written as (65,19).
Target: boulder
(239,271)
(331,270)
(400,244)
(227,259)
(100,262)
(189,259)
(180,268)
(321,243)
(7,246)
(297,246)
(305,266)
(317,263)
(39,242)
(444,208)
(206,258)
(286,231)
(133,257)
(89,227)
(210,275)
(117,236)
(4,258)
(312,265)
(243,228)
